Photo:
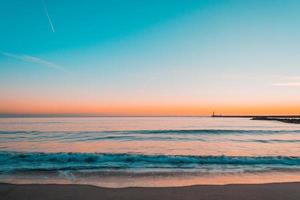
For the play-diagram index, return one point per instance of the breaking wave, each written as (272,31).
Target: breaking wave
(15,161)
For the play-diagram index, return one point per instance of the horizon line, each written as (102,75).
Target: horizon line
(61,115)
(6,115)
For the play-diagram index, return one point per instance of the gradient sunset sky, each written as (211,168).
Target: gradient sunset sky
(150,57)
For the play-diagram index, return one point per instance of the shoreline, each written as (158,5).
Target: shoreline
(274,191)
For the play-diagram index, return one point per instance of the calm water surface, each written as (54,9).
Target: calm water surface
(148,151)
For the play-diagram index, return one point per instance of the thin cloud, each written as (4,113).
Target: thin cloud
(291,78)
(48,16)
(33,59)
(287,81)
(287,84)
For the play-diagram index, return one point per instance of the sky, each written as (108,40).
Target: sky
(149,57)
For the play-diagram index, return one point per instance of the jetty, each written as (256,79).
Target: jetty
(295,119)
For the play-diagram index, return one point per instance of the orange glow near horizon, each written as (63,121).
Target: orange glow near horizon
(107,109)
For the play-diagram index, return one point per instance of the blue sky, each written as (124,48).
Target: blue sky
(178,54)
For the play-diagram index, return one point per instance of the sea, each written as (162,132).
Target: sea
(148,151)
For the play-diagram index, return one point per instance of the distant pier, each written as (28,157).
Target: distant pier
(295,119)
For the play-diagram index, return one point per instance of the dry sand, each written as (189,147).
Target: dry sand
(275,191)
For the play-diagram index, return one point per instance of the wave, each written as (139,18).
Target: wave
(149,135)
(165,131)
(16,161)
(215,131)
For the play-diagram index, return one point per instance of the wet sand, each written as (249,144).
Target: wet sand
(274,191)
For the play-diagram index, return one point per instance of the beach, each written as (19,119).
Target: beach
(275,191)
(149,158)
(166,100)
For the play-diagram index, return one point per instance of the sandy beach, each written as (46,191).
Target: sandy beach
(149,100)
(274,191)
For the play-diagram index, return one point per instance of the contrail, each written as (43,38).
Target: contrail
(49,19)
(33,59)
